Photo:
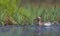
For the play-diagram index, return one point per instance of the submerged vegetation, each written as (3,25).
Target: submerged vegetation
(14,12)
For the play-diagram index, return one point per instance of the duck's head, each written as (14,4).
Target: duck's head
(38,18)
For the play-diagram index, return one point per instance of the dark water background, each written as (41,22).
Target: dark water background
(53,30)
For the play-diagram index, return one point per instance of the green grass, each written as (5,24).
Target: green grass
(14,9)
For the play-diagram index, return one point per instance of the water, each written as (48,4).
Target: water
(30,30)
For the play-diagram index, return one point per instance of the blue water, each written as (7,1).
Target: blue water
(30,30)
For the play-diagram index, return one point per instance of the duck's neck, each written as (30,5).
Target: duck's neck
(40,23)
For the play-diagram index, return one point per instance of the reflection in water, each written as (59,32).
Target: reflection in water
(30,30)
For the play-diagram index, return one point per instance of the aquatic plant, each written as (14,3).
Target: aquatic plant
(20,12)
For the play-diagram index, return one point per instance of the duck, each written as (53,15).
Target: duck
(39,22)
